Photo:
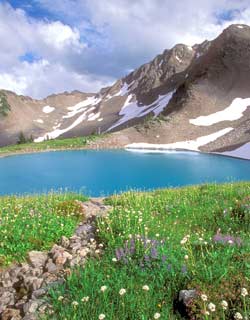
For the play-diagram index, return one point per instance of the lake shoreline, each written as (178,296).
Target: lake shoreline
(96,147)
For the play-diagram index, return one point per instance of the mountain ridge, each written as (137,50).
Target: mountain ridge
(182,84)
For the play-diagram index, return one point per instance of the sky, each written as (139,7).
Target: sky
(52,46)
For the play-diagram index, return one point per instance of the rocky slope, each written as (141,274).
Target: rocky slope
(187,97)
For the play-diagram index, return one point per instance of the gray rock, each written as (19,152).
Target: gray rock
(37,258)
(65,242)
(30,317)
(7,298)
(39,293)
(51,267)
(31,306)
(185,296)
(11,314)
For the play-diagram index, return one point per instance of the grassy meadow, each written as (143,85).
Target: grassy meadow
(53,144)
(156,244)
(35,223)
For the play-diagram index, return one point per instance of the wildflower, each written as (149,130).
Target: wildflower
(157,235)
(104,288)
(60,298)
(224,305)
(101,316)
(238,316)
(211,307)
(186,257)
(85,299)
(122,292)
(244,292)
(204,297)
(145,288)
(184,240)
(114,260)
(157,315)
(75,303)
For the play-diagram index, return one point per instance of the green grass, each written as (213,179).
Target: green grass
(35,223)
(165,240)
(4,105)
(57,144)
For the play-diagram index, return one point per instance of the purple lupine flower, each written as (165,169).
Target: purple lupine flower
(163,258)
(119,253)
(153,253)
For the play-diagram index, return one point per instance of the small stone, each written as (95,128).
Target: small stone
(37,258)
(6,299)
(84,252)
(30,317)
(63,258)
(186,295)
(65,242)
(31,306)
(75,247)
(38,293)
(11,314)
(51,267)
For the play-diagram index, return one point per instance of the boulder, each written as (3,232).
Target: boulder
(37,258)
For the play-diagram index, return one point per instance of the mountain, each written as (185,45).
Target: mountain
(187,97)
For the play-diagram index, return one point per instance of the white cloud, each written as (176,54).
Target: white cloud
(119,35)
(41,78)
(57,45)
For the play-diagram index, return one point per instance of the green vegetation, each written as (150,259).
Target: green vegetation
(4,105)
(22,139)
(151,121)
(159,243)
(35,223)
(57,144)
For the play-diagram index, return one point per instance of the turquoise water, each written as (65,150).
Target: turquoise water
(105,172)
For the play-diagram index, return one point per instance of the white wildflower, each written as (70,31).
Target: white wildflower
(104,288)
(211,307)
(122,292)
(224,304)
(204,297)
(101,316)
(145,288)
(238,316)
(85,299)
(244,292)
(157,315)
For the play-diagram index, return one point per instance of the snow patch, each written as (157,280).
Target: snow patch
(39,121)
(48,109)
(241,152)
(231,113)
(131,109)
(93,116)
(240,27)
(58,132)
(177,58)
(82,106)
(192,145)
(100,119)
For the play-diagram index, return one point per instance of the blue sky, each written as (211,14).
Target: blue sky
(52,46)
